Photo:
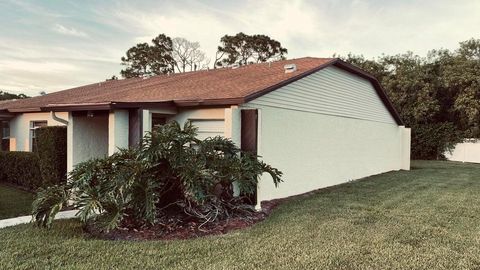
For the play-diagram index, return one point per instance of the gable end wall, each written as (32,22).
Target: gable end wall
(325,129)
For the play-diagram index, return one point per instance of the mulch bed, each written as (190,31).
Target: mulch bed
(185,229)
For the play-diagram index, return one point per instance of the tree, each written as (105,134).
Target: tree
(459,72)
(148,60)
(187,55)
(438,95)
(244,49)
(7,96)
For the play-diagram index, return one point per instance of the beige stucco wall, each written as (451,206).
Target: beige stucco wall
(198,114)
(20,128)
(231,129)
(316,151)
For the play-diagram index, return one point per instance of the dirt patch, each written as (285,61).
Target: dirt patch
(184,227)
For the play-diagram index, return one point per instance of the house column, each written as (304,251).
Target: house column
(233,125)
(406,145)
(70,147)
(233,129)
(117,130)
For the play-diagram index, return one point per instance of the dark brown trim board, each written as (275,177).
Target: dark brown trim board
(249,130)
(249,137)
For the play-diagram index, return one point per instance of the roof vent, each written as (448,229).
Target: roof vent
(290,68)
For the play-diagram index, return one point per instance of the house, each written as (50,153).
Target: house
(320,120)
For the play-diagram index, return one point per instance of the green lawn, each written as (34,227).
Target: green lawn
(427,218)
(14,202)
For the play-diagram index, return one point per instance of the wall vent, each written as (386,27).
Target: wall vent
(290,68)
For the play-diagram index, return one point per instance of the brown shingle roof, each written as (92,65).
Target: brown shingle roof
(218,84)
(207,87)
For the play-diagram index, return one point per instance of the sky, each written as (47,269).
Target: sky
(55,45)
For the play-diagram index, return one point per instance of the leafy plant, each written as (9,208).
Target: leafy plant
(170,171)
(48,203)
(20,168)
(434,140)
(52,154)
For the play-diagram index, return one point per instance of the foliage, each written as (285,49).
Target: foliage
(187,55)
(433,140)
(244,49)
(429,92)
(148,60)
(52,153)
(48,203)
(7,96)
(170,170)
(20,168)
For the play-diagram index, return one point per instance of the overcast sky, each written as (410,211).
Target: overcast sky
(55,45)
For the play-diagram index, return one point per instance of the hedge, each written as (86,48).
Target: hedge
(52,153)
(47,166)
(433,140)
(20,168)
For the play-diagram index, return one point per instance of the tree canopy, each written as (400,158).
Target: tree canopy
(244,49)
(439,93)
(149,59)
(187,55)
(163,56)
(7,96)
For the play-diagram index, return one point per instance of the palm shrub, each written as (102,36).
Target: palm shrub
(171,171)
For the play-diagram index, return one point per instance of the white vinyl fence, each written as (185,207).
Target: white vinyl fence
(468,151)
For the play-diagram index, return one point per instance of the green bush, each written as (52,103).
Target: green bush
(52,153)
(431,141)
(170,171)
(20,168)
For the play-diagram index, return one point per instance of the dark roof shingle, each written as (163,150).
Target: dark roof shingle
(217,84)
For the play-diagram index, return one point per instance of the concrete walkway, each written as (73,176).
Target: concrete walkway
(26,219)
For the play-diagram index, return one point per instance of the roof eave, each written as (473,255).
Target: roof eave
(24,110)
(209,102)
(5,115)
(107,106)
(77,107)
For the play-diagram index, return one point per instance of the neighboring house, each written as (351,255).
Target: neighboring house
(320,121)
(468,151)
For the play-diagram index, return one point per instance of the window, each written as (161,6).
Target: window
(158,120)
(5,129)
(34,125)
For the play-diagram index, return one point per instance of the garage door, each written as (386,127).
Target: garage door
(209,128)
